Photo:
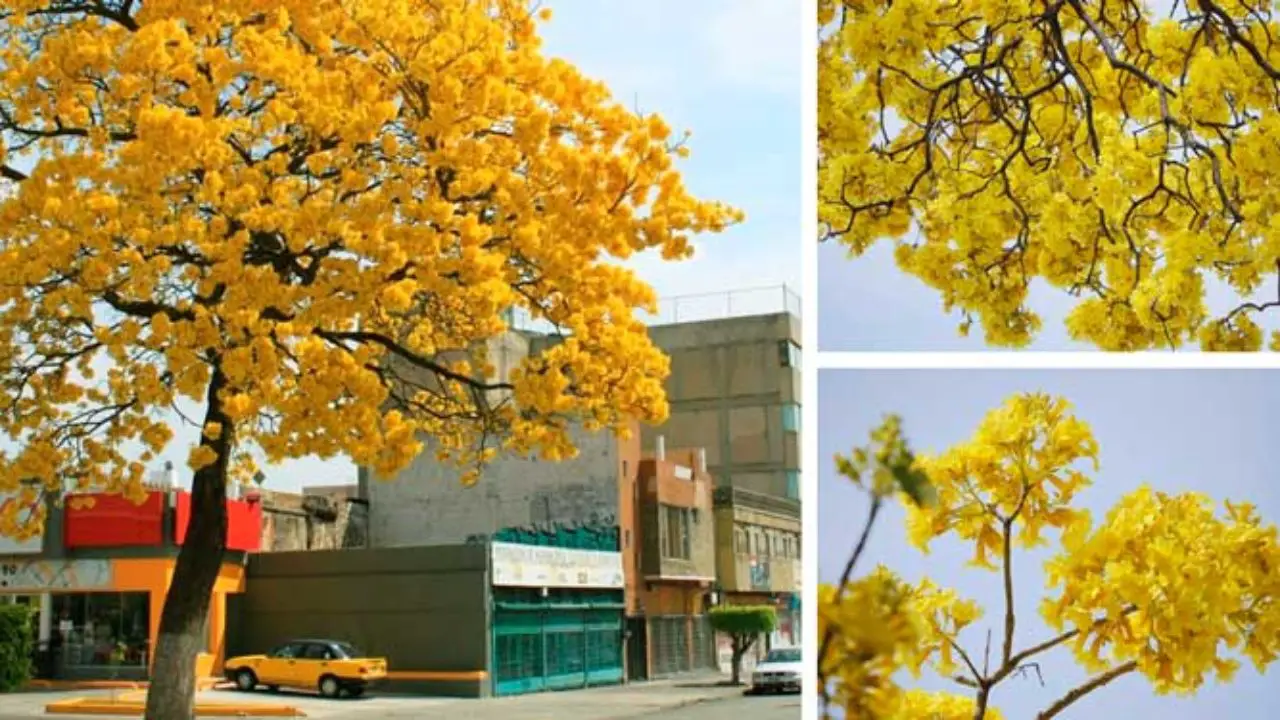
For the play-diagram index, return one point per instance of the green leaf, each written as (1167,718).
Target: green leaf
(916,485)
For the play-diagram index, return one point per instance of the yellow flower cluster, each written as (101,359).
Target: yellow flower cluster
(882,625)
(874,631)
(331,206)
(1021,467)
(922,705)
(1096,148)
(1166,582)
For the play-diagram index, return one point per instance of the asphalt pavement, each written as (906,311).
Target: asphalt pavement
(740,708)
(669,700)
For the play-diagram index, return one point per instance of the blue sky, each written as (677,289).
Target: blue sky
(1207,431)
(868,304)
(728,71)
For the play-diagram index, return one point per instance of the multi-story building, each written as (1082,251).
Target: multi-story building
(675,561)
(554,623)
(734,389)
(758,555)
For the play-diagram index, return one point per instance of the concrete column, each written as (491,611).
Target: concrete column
(45,630)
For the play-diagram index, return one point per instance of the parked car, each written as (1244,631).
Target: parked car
(780,671)
(331,666)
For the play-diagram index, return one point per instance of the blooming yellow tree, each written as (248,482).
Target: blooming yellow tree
(1164,586)
(309,218)
(1122,158)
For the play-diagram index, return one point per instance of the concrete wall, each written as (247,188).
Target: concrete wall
(424,609)
(739,516)
(317,519)
(662,485)
(729,383)
(629,461)
(427,504)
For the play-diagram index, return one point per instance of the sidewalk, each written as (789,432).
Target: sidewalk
(626,701)
(637,700)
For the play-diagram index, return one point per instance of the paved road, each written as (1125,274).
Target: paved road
(667,700)
(742,708)
(732,708)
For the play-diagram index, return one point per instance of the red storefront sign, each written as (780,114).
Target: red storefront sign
(112,521)
(244,522)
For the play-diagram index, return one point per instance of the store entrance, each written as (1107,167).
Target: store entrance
(101,635)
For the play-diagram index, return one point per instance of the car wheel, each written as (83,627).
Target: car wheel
(246,681)
(329,686)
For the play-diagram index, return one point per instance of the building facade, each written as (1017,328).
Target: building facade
(471,620)
(318,518)
(569,631)
(675,558)
(99,574)
(758,555)
(734,390)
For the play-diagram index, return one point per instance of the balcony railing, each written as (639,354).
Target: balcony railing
(696,307)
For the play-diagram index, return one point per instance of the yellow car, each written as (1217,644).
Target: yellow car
(330,666)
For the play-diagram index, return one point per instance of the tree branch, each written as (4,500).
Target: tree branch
(1093,684)
(364,336)
(830,635)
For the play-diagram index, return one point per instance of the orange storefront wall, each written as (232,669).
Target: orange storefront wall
(152,576)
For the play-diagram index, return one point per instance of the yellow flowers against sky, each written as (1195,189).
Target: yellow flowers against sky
(1086,176)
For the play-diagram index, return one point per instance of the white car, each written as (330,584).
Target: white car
(780,671)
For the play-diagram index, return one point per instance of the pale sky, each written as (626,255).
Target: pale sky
(1210,431)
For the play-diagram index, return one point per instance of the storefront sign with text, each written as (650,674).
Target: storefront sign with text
(517,565)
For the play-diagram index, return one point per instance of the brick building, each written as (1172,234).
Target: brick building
(675,558)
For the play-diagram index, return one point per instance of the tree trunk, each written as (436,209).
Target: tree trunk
(171,695)
(737,664)
(741,644)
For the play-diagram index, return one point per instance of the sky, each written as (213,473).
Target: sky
(729,72)
(1210,431)
(868,304)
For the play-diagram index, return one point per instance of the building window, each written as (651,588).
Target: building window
(101,629)
(793,484)
(677,540)
(789,354)
(791,417)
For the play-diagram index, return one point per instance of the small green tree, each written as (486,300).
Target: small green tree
(744,624)
(15,646)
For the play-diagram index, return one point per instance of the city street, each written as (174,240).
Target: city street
(670,700)
(740,708)
(731,708)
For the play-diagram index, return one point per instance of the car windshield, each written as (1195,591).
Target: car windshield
(348,651)
(789,655)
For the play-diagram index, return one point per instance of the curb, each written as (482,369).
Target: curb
(686,704)
(134,708)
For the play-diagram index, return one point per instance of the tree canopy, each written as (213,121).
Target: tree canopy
(311,219)
(317,212)
(1167,586)
(1122,157)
